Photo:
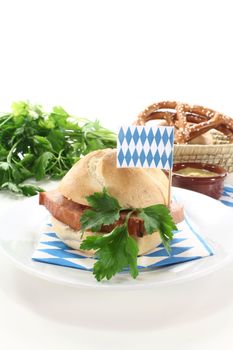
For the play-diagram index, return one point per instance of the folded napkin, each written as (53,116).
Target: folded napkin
(227,196)
(187,245)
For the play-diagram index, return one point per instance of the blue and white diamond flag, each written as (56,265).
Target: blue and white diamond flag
(145,147)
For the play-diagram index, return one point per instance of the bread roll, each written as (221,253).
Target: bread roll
(204,139)
(133,187)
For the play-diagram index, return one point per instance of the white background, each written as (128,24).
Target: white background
(109,60)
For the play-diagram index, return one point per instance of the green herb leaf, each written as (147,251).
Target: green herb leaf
(57,140)
(17,175)
(42,142)
(46,124)
(3,152)
(19,108)
(4,166)
(102,201)
(92,220)
(60,111)
(30,190)
(105,211)
(28,159)
(12,187)
(157,218)
(41,165)
(115,252)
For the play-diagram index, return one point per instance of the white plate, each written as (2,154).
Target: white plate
(20,227)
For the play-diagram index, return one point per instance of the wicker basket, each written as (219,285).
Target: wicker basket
(218,152)
(221,154)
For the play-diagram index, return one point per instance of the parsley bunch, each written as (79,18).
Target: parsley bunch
(118,250)
(35,144)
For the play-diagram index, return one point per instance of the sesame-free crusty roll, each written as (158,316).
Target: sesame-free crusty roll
(133,187)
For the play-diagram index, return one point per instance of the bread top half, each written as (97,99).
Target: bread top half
(132,187)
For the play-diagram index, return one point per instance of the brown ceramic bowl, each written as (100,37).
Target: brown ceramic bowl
(211,186)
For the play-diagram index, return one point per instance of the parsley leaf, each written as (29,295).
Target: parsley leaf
(157,218)
(92,220)
(105,211)
(41,164)
(29,190)
(11,186)
(102,201)
(115,251)
(4,166)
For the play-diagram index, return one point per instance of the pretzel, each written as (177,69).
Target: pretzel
(189,121)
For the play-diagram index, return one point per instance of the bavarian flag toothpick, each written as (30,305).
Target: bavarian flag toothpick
(146,147)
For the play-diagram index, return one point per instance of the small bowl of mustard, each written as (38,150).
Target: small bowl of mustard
(204,178)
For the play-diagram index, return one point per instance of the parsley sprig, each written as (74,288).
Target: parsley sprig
(105,211)
(115,252)
(35,144)
(118,250)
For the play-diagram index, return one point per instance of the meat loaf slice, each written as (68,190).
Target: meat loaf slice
(70,213)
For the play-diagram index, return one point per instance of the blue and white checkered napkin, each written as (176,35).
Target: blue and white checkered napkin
(227,196)
(187,245)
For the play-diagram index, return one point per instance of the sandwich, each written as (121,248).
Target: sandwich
(113,213)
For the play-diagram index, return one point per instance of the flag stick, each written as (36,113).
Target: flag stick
(169,187)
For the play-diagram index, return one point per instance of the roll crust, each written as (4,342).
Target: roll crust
(133,187)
